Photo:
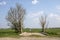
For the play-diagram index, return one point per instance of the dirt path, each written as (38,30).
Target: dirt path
(30,38)
(28,34)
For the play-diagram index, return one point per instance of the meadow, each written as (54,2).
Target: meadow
(11,33)
(8,33)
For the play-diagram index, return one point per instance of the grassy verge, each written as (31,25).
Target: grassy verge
(53,32)
(11,33)
(8,33)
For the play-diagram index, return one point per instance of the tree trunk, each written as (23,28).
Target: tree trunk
(20,28)
(43,29)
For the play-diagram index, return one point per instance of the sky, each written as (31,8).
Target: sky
(34,10)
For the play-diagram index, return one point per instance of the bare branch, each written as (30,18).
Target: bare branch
(15,17)
(43,21)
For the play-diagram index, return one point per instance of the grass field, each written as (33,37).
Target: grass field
(32,30)
(11,33)
(53,32)
(8,33)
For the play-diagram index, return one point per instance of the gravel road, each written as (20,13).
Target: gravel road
(31,38)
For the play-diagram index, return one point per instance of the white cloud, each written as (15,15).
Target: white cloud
(51,15)
(3,3)
(35,14)
(54,16)
(34,1)
(58,7)
(32,19)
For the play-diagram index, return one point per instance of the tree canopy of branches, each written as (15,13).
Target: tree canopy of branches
(15,17)
(43,21)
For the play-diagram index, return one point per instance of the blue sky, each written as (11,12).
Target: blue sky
(34,9)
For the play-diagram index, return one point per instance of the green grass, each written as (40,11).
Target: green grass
(53,32)
(11,33)
(32,30)
(8,33)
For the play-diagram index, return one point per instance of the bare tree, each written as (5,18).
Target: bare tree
(15,17)
(44,23)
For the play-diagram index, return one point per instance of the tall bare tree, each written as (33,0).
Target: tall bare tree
(15,17)
(43,21)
